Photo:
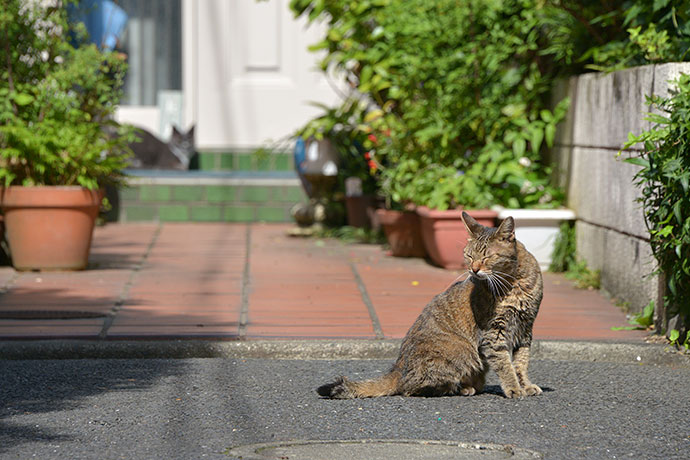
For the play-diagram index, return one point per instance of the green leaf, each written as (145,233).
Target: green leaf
(637,161)
(666,231)
(678,213)
(335,35)
(519,146)
(365,75)
(550,134)
(513,110)
(537,137)
(673,336)
(646,318)
(546,116)
(659,4)
(22,98)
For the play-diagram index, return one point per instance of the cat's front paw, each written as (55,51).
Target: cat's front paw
(468,391)
(532,390)
(514,392)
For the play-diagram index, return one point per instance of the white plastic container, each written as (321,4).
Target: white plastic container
(537,229)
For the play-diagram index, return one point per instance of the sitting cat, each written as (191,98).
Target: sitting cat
(149,152)
(482,322)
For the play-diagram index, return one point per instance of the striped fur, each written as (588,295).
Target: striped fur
(482,322)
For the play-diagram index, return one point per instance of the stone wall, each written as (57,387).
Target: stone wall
(611,233)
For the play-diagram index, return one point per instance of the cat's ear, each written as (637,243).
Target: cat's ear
(175,130)
(506,230)
(473,227)
(191,131)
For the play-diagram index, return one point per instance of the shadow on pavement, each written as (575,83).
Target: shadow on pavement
(65,386)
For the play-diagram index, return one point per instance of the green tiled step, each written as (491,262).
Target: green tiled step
(209,196)
(244,161)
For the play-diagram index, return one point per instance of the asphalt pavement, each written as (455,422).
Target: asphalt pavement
(205,408)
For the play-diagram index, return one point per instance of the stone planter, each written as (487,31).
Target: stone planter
(403,232)
(444,234)
(49,228)
(537,229)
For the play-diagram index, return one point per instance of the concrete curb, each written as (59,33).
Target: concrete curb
(324,349)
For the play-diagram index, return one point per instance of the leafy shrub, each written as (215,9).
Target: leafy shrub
(664,181)
(615,34)
(584,277)
(55,100)
(459,95)
(640,321)
(564,249)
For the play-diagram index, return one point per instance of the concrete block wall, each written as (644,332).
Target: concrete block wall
(610,228)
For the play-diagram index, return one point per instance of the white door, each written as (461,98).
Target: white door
(253,77)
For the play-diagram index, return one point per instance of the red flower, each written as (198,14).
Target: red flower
(372,138)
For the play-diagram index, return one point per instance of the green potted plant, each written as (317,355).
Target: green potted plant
(55,151)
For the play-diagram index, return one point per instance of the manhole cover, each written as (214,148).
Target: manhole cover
(380,449)
(49,314)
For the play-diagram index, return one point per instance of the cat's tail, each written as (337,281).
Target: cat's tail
(344,388)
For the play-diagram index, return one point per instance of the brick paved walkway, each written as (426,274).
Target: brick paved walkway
(230,281)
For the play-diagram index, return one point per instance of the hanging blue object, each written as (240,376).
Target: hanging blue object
(105,21)
(300,155)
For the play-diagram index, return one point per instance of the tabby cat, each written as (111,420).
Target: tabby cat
(482,322)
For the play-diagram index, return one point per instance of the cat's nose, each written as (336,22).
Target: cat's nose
(476,267)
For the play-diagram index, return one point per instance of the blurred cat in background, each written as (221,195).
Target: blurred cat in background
(149,152)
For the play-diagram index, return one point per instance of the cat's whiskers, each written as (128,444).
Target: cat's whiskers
(508,285)
(501,287)
(494,286)
(504,274)
(467,272)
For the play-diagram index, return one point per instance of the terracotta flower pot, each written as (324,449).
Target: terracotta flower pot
(445,235)
(49,228)
(402,232)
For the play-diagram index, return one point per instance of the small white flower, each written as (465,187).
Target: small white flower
(526,162)
(526,187)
